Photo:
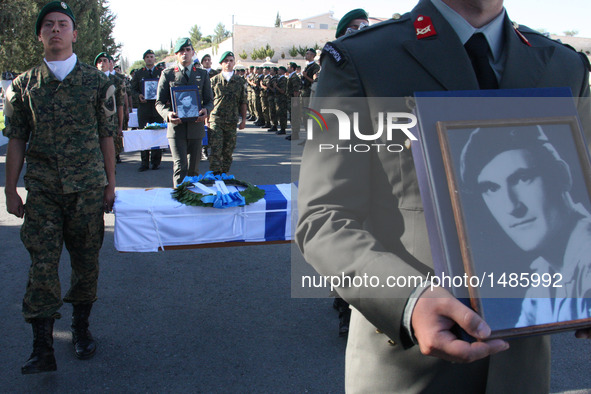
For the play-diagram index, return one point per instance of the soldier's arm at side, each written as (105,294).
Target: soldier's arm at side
(15,158)
(108,150)
(207,99)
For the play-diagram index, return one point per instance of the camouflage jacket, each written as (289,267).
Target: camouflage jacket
(281,84)
(229,96)
(294,84)
(62,122)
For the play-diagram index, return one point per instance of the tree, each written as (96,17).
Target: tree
(220,33)
(571,33)
(21,50)
(195,35)
(277,20)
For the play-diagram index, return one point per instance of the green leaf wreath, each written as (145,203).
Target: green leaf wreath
(184,195)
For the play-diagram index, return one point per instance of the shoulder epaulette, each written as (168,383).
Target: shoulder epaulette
(527,30)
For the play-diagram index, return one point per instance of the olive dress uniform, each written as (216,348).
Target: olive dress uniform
(147,113)
(369,218)
(120,98)
(185,138)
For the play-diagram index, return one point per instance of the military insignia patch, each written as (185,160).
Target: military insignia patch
(333,52)
(424,28)
(109,105)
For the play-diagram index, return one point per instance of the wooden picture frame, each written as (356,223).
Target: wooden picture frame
(150,88)
(186,102)
(521,195)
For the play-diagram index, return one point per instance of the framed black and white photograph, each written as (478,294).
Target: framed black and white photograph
(186,102)
(521,196)
(150,87)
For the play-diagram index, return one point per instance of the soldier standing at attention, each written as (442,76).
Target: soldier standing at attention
(146,112)
(281,100)
(229,102)
(311,69)
(184,137)
(63,109)
(271,94)
(251,96)
(294,84)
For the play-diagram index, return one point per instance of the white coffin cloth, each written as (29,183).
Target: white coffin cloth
(148,219)
(134,140)
(133,122)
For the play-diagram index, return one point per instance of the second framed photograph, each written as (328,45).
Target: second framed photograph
(150,87)
(186,102)
(521,196)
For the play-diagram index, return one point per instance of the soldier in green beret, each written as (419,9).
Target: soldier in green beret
(64,110)
(184,135)
(229,103)
(146,112)
(352,21)
(281,100)
(309,73)
(294,85)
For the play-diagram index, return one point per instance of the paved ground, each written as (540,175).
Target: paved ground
(209,320)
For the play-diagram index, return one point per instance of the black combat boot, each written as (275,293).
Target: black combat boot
(84,345)
(42,358)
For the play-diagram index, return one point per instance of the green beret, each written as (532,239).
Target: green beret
(225,55)
(148,52)
(204,56)
(293,64)
(182,42)
(283,68)
(102,54)
(350,16)
(54,6)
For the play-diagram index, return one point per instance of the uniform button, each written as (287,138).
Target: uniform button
(391,343)
(378,331)
(396,16)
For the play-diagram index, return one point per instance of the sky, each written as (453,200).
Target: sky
(150,24)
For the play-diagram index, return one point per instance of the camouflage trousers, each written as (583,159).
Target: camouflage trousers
(222,142)
(272,110)
(118,141)
(51,220)
(265,108)
(258,106)
(281,106)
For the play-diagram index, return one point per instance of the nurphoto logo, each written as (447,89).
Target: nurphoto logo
(348,125)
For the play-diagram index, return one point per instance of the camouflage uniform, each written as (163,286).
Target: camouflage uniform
(265,98)
(251,95)
(281,102)
(65,178)
(121,99)
(310,70)
(229,96)
(294,84)
(271,94)
(259,99)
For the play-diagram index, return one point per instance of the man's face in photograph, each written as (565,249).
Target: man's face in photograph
(519,198)
(187,101)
